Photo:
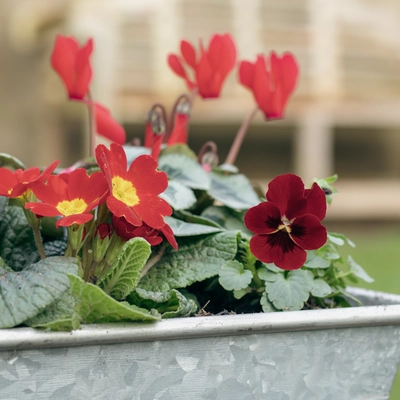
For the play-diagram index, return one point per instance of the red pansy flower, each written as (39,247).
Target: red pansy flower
(210,67)
(272,81)
(134,192)
(288,223)
(71,196)
(72,63)
(17,183)
(154,236)
(107,126)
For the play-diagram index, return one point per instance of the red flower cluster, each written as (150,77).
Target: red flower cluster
(210,68)
(271,81)
(72,64)
(288,223)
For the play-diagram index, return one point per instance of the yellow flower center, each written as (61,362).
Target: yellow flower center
(76,206)
(285,225)
(124,191)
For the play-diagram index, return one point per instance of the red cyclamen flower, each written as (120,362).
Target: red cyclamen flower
(272,81)
(134,192)
(154,236)
(71,196)
(210,68)
(288,223)
(107,126)
(72,63)
(17,183)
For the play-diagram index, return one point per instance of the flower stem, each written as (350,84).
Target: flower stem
(153,260)
(38,240)
(237,143)
(92,125)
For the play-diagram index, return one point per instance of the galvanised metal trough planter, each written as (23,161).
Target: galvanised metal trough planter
(350,353)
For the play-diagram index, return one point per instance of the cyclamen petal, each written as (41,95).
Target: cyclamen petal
(210,68)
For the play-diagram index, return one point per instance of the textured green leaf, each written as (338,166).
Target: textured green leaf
(234,191)
(290,292)
(67,323)
(233,276)
(61,308)
(125,271)
(133,152)
(170,304)
(184,170)
(181,228)
(269,272)
(358,270)
(95,306)
(316,261)
(3,205)
(319,288)
(187,216)
(178,196)
(25,294)
(197,258)
(17,243)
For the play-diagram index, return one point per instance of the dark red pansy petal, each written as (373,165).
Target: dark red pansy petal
(287,192)
(263,218)
(316,201)
(308,232)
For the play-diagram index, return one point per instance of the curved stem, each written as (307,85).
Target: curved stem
(38,240)
(170,121)
(237,143)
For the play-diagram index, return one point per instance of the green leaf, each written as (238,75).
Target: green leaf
(358,270)
(227,218)
(10,162)
(272,267)
(234,191)
(181,228)
(178,196)
(266,305)
(290,292)
(339,239)
(197,258)
(184,170)
(17,243)
(315,261)
(195,219)
(319,288)
(170,304)
(133,152)
(25,294)
(58,316)
(179,148)
(95,306)
(233,276)
(125,271)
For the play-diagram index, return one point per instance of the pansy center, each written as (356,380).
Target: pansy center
(124,191)
(285,225)
(75,206)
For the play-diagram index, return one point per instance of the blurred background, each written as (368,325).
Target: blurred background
(344,117)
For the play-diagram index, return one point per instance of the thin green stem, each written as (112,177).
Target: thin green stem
(38,240)
(237,143)
(153,260)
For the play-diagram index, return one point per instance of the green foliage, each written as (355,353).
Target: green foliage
(25,294)
(17,243)
(169,304)
(95,306)
(198,258)
(124,274)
